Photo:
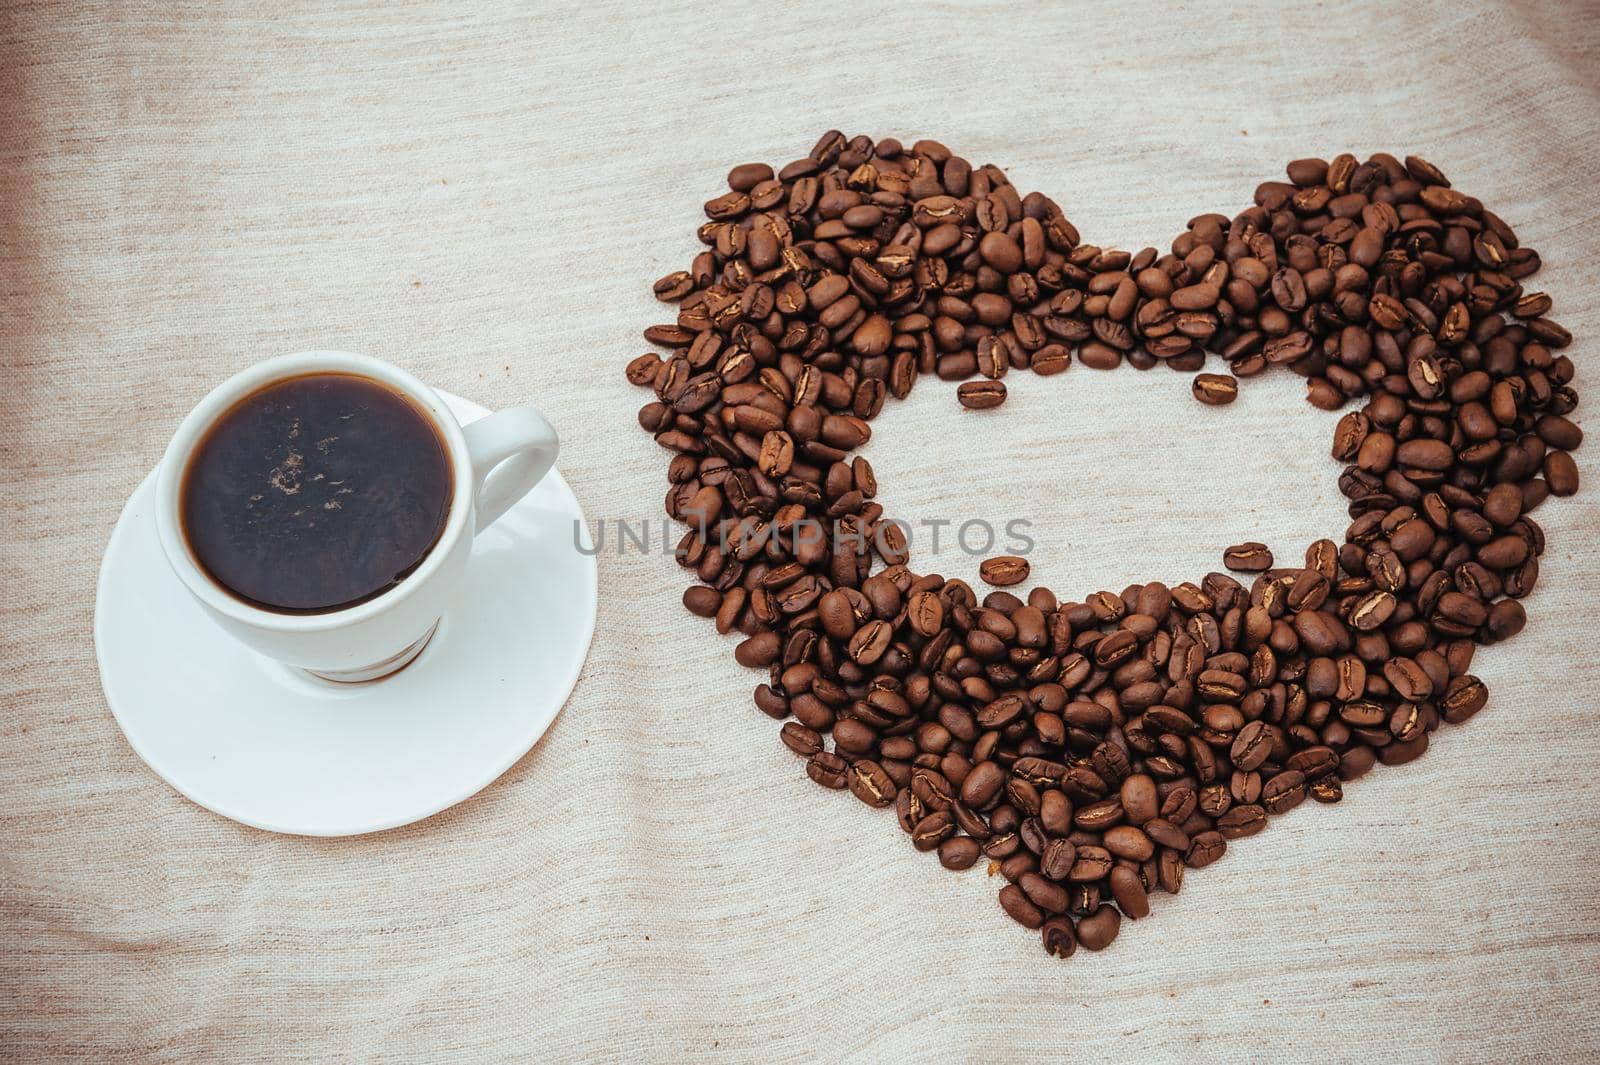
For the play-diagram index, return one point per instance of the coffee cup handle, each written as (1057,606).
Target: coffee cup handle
(510,452)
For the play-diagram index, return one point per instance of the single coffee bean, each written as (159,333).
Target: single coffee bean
(1129,892)
(1283,792)
(1248,557)
(1059,938)
(827,769)
(1167,834)
(1004,570)
(1215,390)
(982,784)
(1140,798)
(1169,871)
(1463,697)
(1091,863)
(1057,859)
(1050,360)
(703,601)
(1019,908)
(1241,821)
(643,370)
(1425,454)
(1055,812)
(1204,849)
(1125,841)
(933,830)
(1252,746)
(1561,473)
(759,650)
(1506,619)
(871,784)
(1099,816)
(1045,894)
(959,852)
(870,642)
(747,176)
(1096,931)
(1409,680)
(800,739)
(1101,356)
(925,613)
(981,395)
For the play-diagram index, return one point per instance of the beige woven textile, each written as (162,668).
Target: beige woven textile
(483,195)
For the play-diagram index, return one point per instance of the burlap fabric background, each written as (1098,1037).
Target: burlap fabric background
(484,196)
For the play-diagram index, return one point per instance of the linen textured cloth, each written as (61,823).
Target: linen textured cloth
(483,196)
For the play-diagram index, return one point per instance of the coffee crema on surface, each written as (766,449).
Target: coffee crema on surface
(316,493)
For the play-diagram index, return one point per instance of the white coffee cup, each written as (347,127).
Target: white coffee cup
(494,462)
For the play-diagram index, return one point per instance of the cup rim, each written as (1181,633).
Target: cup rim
(175,460)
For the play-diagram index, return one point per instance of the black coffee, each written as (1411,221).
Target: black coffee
(316,493)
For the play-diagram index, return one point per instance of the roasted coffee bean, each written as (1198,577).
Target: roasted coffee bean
(1090,864)
(1169,871)
(1129,892)
(1408,679)
(870,642)
(1241,821)
(1126,841)
(1561,473)
(1167,834)
(1283,792)
(1506,619)
(981,395)
(1004,570)
(1092,749)
(1045,894)
(982,784)
(800,739)
(1204,849)
(699,599)
(1140,799)
(1055,812)
(1050,360)
(1096,931)
(1215,390)
(759,650)
(1019,908)
(828,769)
(1057,859)
(925,613)
(1059,938)
(959,852)
(871,784)
(1252,746)
(1248,557)
(1100,816)
(932,830)
(853,736)
(1328,789)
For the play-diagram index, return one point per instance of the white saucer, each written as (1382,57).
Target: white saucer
(254,741)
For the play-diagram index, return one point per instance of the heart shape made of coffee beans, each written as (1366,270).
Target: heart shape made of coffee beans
(1094,750)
